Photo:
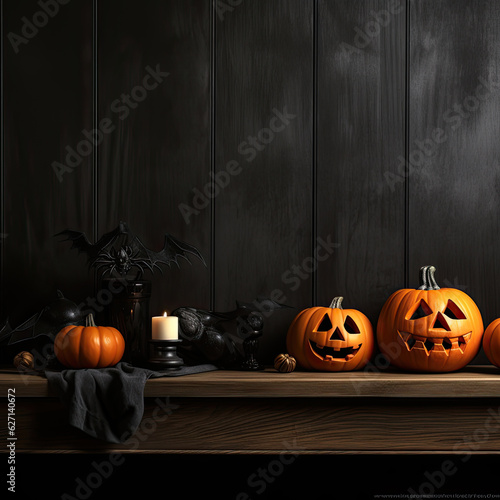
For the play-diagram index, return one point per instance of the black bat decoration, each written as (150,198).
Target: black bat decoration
(131,251)
(82,244)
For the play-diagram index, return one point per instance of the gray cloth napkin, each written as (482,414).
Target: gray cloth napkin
(108,403)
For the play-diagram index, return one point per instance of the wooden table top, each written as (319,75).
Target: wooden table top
(470,382)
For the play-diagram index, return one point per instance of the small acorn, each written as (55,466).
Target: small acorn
(24,361)
(284,363)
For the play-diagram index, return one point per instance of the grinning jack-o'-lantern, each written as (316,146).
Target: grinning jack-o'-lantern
(331,338)
(430,329)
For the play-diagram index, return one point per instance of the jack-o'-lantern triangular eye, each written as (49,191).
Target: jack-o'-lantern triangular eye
(350,325)
(325,325)
(421,310)
(453,311)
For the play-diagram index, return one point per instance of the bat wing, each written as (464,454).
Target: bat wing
(5,332)
(80,241)
(173,249)
(26,330)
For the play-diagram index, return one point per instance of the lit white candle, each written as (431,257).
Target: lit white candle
(165,327)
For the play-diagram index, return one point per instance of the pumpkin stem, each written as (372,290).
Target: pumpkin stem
(336,303)
(432,279)
(89,320)
(427,279)
(422,278)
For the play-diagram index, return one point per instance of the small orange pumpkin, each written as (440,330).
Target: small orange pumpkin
(89,346)
(430,329)
(331,338)
(491,342)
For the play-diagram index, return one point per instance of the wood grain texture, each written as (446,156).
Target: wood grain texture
(47,85)
(289,426)
(159,150)
(454,178)
(264,129)
(470,383)
(360,135)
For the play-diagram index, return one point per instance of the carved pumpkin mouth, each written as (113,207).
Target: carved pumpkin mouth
(433,345)
(330,354)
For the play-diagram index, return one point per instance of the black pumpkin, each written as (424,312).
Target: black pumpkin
(62,312)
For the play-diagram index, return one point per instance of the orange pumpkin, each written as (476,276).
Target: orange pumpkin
(430,329)
(491,342)
(331,338)
(89,346)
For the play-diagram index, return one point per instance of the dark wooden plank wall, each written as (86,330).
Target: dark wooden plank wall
(359,166)
(263,113)
(160,148)
(47,99)
(360,134)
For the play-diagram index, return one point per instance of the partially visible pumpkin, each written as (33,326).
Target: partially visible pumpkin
(89,346)
(331,338)
(491,342)
(430,329)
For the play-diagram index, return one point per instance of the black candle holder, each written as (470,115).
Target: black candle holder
(164,356)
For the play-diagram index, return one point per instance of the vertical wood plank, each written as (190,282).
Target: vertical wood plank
(454,150)
(264,149)
(361,138)
(158,150)
(47,75)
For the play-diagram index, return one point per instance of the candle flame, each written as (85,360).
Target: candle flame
(165,314)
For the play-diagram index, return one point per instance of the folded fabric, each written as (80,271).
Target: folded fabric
(108,403)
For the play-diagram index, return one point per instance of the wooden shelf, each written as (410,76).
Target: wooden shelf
(265,412)
(471,382)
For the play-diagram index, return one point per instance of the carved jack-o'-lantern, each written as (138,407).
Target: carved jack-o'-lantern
(331,338)
(430,329)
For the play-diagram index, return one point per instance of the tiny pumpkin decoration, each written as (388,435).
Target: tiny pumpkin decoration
(491,342)
(89,346)
(284,363)
(331,338)
(430,329)
(24,361)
